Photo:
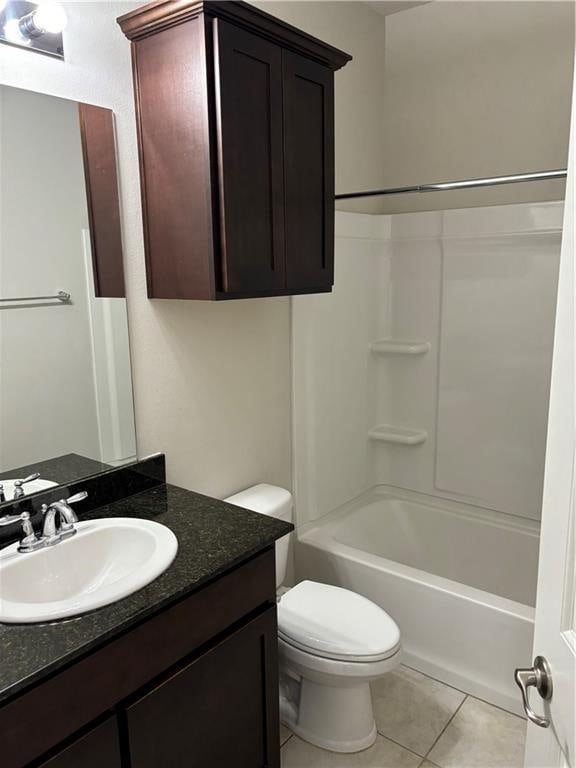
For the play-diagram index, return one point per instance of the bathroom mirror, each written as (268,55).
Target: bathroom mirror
(66,408)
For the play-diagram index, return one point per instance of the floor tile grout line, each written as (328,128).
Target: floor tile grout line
(437,680)
(398,744)
(465,693)
(286,742)
(425,758)
(446,726)
(496,706)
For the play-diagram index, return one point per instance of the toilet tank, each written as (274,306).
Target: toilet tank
(275,502)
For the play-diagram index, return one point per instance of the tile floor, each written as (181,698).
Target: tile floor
(423,723)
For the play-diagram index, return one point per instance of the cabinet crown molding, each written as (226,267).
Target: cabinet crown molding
(156,16)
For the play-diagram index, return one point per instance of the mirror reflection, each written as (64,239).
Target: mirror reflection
(66,408)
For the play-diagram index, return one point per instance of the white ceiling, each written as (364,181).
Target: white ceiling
(387,7)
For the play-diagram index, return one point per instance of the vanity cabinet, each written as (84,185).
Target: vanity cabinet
(215,710)
(196,684)
(235,113)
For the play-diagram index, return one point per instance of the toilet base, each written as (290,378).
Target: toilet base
(336,718)
(328,702)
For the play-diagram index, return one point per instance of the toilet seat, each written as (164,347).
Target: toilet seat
(334,623)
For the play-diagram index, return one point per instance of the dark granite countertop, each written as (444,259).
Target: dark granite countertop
(61,470)
(213,537)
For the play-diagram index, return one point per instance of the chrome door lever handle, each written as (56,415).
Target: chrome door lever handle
(538,677)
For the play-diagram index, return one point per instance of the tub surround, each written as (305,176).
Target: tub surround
(219,544)
(446,412)
(466,418)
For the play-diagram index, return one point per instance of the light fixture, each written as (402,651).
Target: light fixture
(47,18)
(37,26)
(13,34)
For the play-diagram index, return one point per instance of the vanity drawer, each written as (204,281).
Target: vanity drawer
(219,710)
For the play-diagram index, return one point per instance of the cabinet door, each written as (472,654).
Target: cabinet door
(250,161)
(101,180)
(99,748)
(219,710)
(309,173)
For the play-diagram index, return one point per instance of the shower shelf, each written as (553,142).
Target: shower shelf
(399,347)
(386,433)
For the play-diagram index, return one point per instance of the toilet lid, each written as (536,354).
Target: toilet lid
(336,623)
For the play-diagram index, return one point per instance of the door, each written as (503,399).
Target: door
(219,710)
(309,170)
(553,744)
(100,748)
(250,161)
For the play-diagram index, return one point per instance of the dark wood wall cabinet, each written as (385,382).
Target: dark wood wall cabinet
(99,157)
(235,113)
(196,685)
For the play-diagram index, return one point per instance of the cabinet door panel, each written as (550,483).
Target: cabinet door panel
(309,170)
(99,156)
(99,748)
(219,710)
(175,161)
(249,125)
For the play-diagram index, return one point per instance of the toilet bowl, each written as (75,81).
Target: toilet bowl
(332,643)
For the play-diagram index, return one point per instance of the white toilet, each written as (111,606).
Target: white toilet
(332,643)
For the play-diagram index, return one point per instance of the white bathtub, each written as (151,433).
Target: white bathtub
(459,581)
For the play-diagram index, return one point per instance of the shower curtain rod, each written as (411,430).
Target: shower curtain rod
(466,184)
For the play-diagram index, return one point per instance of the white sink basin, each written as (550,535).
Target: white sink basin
(105,561)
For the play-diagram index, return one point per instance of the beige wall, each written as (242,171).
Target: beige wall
(476,89)
(212,381)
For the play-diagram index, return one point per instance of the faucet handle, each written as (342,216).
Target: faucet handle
(29,541)
(33,476)
(67,523)
(18,491)
(76,497)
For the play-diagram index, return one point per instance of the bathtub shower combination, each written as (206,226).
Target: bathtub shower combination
(420,411)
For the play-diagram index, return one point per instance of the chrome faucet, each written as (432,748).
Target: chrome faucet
(59,520)
(18,490)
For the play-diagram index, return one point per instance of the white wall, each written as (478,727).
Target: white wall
(47,405)
(474,89)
